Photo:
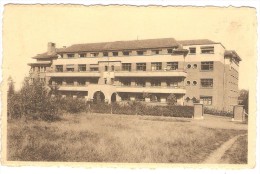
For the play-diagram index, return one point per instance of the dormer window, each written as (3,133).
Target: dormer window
(169,51)
(126,53)
(93,54)
(192,50)
(115,53)
(155,51)
(105,54)
(82,55)
(71,55)
(140,53)
(207,50)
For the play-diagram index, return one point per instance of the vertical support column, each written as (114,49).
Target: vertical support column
(198,111)
(238,113)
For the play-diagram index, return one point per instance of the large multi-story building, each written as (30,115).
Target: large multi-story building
(145,70)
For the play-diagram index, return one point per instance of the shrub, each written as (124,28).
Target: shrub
(32,101)
(171,100)
(217,112)
(70,105)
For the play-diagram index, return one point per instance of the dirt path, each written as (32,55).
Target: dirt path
(215,156)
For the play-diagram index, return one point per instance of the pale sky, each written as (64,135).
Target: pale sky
(28,28)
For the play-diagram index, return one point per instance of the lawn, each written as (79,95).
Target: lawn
(114,138)
(237,154)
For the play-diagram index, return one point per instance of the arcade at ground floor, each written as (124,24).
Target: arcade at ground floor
(122,96)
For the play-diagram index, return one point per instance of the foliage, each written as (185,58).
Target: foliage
(138,108)
(213,111)
(32,101)
(243,96)
(171,100)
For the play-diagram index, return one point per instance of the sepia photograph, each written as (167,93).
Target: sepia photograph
(138,85)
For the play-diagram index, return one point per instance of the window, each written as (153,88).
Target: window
(206,83)
(126,66)
(105,54)
(82,67)
(140,83)
(71,55)
(206,66)
(61,55)
(140,53)
(115,53)
(207,50)
(112,68)
(70,67)
(106,68)
(194,83)
(188,83)
(93,54)
(58,82)
(59,68)
(172,84)
(195,66)
(206,100)
(141,66)
(155,51)
(188,66)
(156,66)
(42,69)
(81,82)
(82,55)
(155,83)
(126,83)
(172,65)
(42,80)
(69,82)
(126,53)
(94,69)
(192,50)
(169,51)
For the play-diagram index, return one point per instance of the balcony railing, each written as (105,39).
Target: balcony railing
(152,89)
(151,73)
(55,73)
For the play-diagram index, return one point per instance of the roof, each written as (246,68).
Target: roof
(196,42)
(122,45)
(40,63)
(45,56)
(233,54)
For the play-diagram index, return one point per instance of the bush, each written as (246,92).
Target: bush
(138,108)
(70,105)
(217,112)
(32,101)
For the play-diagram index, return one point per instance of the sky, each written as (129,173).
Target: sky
(28,28)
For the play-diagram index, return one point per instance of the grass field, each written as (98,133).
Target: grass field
(114,138)
(237,154)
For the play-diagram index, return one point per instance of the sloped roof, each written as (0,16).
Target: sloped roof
(233,54)
(196,42)
(45,56)
(122,45)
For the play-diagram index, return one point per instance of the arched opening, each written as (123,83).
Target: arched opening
(98,97)
(113,97)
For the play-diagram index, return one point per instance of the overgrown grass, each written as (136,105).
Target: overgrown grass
(237,154)
(112,138)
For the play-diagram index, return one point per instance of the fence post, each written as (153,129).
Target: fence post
(238,113)
(198,111)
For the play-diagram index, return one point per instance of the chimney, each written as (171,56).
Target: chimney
(51,48)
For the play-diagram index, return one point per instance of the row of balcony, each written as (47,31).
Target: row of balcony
(155,73)
(131,89)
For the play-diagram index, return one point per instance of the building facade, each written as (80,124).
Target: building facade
(143,70)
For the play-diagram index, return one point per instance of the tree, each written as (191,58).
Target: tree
(243,98)
(171,100)
(10,87)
